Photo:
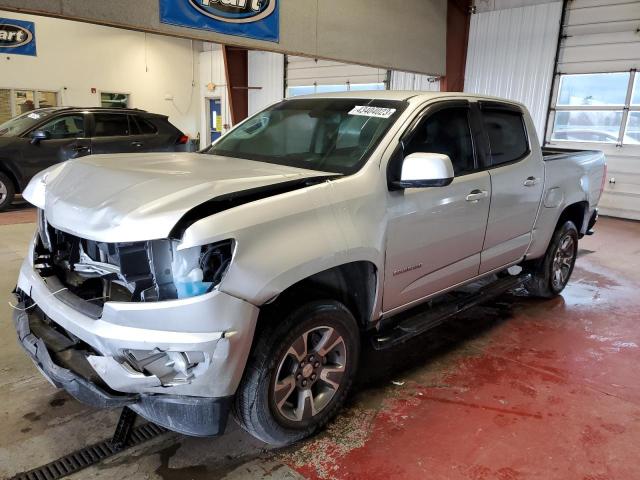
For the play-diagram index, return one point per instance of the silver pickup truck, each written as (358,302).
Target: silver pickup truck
(245,277)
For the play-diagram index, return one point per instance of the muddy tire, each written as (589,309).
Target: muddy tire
(7,192)
(551,274)
(299,373)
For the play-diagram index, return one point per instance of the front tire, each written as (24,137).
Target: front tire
(299,373)
(551,275)
(7,192)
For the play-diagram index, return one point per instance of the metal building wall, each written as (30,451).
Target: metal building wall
(511,54)
(266,72)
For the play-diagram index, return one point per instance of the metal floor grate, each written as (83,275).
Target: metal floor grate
(91,455)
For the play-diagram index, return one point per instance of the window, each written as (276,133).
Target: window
(14,102)
(141,126)
(5,106)
(598,107)
(111,125)
(447,132)
(25,101)
(507,135)
(327,135)
(344,87)
(114,100)
(71,126)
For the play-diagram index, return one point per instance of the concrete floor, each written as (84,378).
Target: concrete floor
(519,389)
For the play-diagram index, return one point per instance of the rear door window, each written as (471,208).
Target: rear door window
(141,126)
(507,135)
(111,125)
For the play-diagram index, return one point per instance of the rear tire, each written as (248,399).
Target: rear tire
(7,192)
(551,274)
(299,373)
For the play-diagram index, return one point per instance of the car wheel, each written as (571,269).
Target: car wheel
(7,192)
(299,373)
(551,275)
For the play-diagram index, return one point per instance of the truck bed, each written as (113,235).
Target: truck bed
(553,153)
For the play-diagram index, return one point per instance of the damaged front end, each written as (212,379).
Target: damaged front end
(150,271)
(119,324)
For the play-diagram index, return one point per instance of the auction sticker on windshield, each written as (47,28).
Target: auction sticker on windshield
(378,112)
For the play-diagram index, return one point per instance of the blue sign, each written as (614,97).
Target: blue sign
(17,37)
(259,19)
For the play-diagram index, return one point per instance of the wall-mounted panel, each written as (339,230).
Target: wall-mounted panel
(407,35)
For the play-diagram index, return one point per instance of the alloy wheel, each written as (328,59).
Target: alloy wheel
(309,374)
(3,192)
(563,262)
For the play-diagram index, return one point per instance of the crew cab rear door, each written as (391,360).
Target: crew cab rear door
(111,133)
(517,181)
(435,235)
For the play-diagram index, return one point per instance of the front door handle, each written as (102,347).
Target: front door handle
(530,182)
(81,149)
(477,195)
(137,144)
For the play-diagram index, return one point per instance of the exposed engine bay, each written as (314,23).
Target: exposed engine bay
(148,271)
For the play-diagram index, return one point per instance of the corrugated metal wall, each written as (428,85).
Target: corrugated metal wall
(511,55)
(266,70)
(414,81)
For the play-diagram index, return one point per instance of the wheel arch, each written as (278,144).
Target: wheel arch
(13,176)
(578,214)
(354,284)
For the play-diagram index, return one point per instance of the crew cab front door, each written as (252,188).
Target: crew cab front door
(435,235)
(67,140)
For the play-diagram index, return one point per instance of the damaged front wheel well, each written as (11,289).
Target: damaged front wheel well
(353,284)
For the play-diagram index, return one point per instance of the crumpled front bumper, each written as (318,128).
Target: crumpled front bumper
(197,416)
(217,326)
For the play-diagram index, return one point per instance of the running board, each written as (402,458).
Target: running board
(421,322)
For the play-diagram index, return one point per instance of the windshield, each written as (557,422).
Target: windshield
(328,135)
(20,124)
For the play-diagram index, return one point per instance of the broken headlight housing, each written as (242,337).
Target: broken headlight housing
(198,270)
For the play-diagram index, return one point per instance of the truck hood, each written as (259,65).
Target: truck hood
(137,197)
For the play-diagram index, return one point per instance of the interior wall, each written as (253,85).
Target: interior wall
(266,79)
(408,35)
(512,53)
(160,73)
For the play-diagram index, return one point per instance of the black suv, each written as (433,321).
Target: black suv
(36,140)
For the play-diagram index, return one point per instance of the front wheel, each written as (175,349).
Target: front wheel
(7,192)
(551,275)
(299,374)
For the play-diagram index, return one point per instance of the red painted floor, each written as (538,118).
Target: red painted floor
(524,389)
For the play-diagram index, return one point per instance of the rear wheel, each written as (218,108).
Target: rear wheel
(551,275)
(299,374)
(7,192)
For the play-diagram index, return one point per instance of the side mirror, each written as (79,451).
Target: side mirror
(422,170)
(38,136)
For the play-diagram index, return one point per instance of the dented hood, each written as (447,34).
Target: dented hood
(136,197)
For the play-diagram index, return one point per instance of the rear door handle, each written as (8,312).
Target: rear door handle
(530,182)
(477,195)
(137,144)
